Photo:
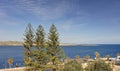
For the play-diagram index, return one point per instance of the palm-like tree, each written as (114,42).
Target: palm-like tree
(87,57)
(97,55)
(77,58)
(108,57)
(68,59)
(10,62)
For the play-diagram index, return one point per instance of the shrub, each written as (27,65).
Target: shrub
(73,66)
(118,63)
(98,65)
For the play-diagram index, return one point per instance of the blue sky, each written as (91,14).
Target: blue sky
(78,21)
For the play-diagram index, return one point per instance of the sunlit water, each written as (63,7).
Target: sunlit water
(16,52)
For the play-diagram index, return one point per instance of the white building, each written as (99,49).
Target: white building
(117,59)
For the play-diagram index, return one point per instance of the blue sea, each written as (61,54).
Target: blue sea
(16,52)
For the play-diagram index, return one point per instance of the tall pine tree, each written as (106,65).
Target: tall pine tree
(40,53)
(53,50)
(37,56)
(28,44)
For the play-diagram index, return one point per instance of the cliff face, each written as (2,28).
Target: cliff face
(10,43)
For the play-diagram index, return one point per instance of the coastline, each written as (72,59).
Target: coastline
(11,43)
(19,43)
(116,68)
(13,69)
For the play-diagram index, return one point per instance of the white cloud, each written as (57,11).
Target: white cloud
(40,8)
(72,23)
(66,27)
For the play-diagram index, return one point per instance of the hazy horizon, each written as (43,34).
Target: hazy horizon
(77,21)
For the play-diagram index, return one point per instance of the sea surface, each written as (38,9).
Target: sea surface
(16,52)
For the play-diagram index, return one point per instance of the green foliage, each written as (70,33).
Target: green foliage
(40,53)
(53,41)
(72,66)
(40,38)
(36,54)
(28,44)
(98,65)
(27,61)
(62,55)
(29,36)
(52,45)
(118,63)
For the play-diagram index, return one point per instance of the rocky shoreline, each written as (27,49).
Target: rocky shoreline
(13,69)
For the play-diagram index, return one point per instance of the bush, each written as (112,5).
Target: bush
(117,63)
(73,66)
(98,65)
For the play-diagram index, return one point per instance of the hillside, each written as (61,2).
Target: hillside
(18,43)
(10,43)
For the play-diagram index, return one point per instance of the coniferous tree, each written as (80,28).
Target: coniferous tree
(36,54)
(52,46)
(40,52)
(28,44)
(62,55)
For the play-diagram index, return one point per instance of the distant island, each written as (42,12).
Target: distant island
(20,43)
(11,43)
